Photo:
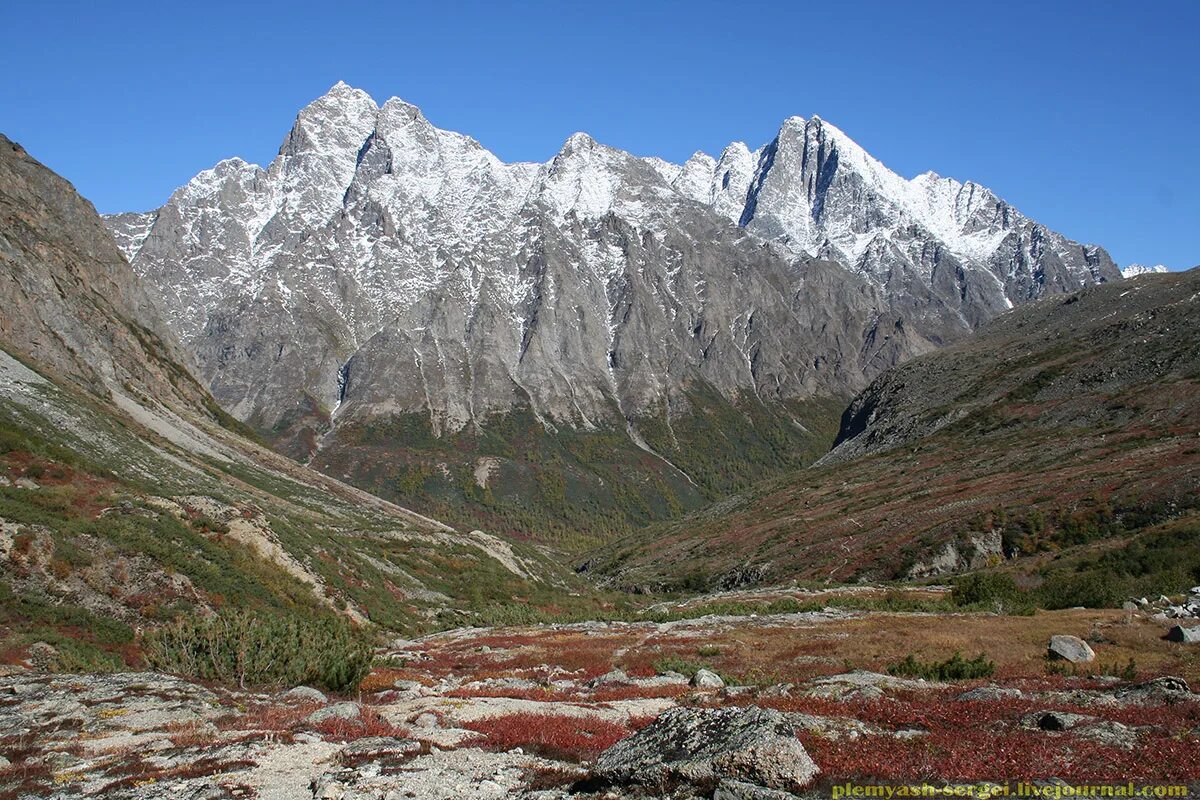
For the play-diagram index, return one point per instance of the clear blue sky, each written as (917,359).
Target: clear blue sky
(1085,115)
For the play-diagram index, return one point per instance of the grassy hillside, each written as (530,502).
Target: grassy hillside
(574,489)
(110,523)
(128,499)
(1071,422)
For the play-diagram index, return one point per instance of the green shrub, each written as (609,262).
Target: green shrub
(1126,672)
(990,590)
(249,648)
(679,664)
(1092,589)
(955,668)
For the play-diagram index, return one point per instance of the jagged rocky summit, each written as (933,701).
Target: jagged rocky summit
(383,273)
(381,264)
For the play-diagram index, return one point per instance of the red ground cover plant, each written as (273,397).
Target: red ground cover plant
(368,723)
(565,738)
(977,755)
(985,741)
(272,717)
(292,718)
(602,694)
(615,692)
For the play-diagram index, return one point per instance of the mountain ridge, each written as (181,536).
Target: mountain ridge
(1066,427)
(382,271)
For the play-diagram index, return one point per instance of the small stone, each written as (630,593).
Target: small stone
(1070,648)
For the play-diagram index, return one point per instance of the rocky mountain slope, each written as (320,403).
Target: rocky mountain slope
(123,500)
(1070,423)
(392,302)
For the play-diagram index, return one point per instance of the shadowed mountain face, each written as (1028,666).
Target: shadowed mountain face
(385,295)
(1072,421)
(128,497)
(70,300)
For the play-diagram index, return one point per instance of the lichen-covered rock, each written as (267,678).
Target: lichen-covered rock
(1159,691)
(705,746)
(989,694)
(861,685)
(342,711)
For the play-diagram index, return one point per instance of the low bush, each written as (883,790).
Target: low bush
(676,663)
(992,591)
(249,648)
(955,668)
(1092,589)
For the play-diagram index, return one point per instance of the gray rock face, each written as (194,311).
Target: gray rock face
(69,300)
(1070,648)
(381,266)
(706,746)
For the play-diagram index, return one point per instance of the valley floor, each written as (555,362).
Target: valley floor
(525,712)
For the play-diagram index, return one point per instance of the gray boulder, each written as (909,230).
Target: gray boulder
(346,711)
(615,676)
(752,746)
(1070,648)
(707,679)
(306,694)
(1184,635)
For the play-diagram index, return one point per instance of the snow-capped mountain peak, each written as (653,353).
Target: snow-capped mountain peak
(1133,270)
(382,265)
